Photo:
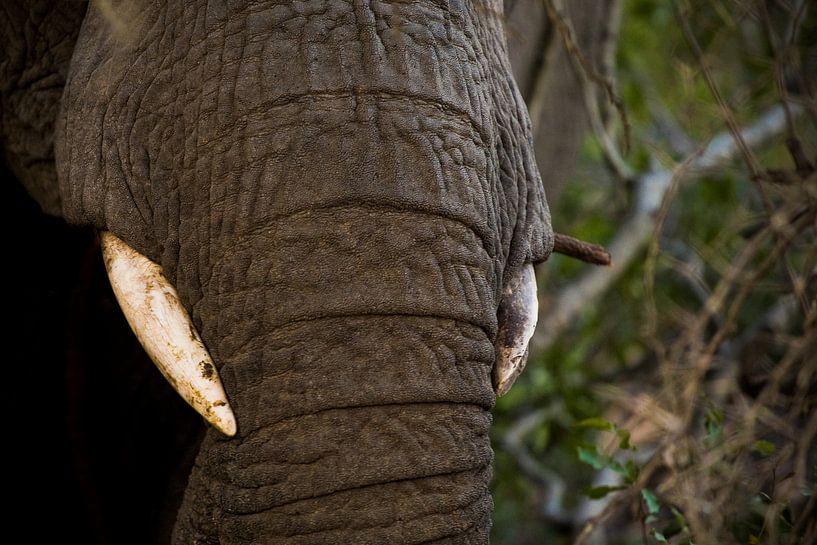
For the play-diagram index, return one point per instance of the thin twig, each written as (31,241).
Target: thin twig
(726,111)
(778,66)
(583,251)
(609,48)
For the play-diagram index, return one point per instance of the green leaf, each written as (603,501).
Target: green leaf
(680,519)
(763,447)
(631,471)
(658,536)
(596,423)
(598,492)
(624,439)
(617,467)
(590,455)
(653,505)
(713,422)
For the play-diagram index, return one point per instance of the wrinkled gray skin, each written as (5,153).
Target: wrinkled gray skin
(337,188)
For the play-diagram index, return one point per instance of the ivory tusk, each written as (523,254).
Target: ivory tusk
(517,315)
(156,315)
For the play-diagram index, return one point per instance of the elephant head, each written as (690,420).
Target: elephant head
(339,200)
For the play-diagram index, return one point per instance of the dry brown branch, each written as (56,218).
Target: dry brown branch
(581,250)
(693,353)
(689,346)
(726,111)
(707,488)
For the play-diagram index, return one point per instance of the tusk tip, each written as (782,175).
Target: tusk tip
(502,388)
(223,419)
(504,377)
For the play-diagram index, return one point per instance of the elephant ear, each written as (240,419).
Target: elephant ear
(36,45)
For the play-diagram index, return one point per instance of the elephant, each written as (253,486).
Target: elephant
(321,220)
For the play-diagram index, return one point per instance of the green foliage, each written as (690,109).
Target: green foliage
(590,455)
(763,447)
(713,422)
(670,528)
(605,425)
(653,505)
(598,492)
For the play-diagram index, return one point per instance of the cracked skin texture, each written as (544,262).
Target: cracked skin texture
(337,188)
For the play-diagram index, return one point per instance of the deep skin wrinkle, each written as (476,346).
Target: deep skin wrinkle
(338,190)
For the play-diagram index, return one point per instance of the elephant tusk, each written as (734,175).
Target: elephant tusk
(156,315)
(517,315)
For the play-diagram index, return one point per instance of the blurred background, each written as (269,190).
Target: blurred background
(671,398)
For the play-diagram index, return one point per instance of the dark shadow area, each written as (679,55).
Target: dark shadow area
(98,447)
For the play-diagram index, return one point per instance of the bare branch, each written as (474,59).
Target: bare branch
(583,251)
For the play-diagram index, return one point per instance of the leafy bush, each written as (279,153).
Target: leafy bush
(678,402)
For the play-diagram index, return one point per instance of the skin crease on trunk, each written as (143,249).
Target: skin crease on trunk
(338,190)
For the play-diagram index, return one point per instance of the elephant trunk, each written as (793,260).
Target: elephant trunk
(357,350)
(391,457)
